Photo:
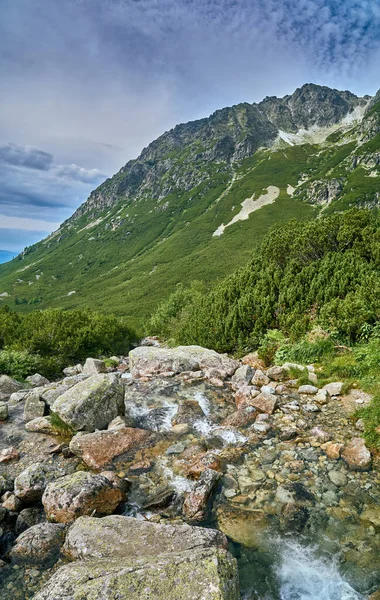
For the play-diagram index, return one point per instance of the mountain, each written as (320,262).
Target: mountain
(198,200)
(5,255)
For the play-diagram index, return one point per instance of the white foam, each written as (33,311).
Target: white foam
(203,402)
(305,576)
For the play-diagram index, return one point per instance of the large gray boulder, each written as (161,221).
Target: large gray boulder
(40,544)
(125,537)
(147,360)
(31,483)
(93,366)
(81,493)
(34,407)
(8,386)
(201,574)
(92,403)
(37,380)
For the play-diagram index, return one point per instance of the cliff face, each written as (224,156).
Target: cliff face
(180,158)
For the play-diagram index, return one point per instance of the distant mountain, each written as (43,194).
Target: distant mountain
(198,200)
(5,255)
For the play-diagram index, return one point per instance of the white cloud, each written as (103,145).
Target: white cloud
(27,224)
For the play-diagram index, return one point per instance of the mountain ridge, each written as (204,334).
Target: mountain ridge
(152,225)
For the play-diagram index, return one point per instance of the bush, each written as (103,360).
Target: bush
(52,339)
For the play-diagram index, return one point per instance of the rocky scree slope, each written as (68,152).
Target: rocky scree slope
(108,509)
(156,222)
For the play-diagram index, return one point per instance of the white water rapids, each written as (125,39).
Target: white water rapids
(303,575)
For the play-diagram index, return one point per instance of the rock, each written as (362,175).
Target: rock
(320,434)
(150,360)
(308,389)
(177,448)
(30,484)
(371,514)
(243,375)
(202,462)
(196,503)
(93,366)
(332,450)
(117,536)
(75,370)
(313,378)
(92,403)
(375,596)
(322,397)
(17,397)
(99,448)
(34,407)
(40,544)
(253,361)
(240,418)
(277,373)
(37,380)
(337,478)
(356,455)
(29,517)
(244,395)
(180,429)
(82,493)
(3,411)
(334,389)
(118,423)
(288,366)
(189,411)
(8,386)
(192,575)
(41,425)
(311,407)
(12,503)
(246,527)
(9,454)
(265,403)
(260,378)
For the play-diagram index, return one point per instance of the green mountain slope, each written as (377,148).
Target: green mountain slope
(200,198)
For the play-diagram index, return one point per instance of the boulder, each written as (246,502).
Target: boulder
(265,403)
(332,449)
(247,527)
(126,537)
(37,380)
(148,360)
(17,397)
(11,502)
(92,403)
(356,455)
(4,412)
(334,389)
(244,395)
(195,507)
(277,373)
(189,411)
(322,397)
(99,448)
(260,378)
(338,478)
(34,407)
(192,575)
(82,493)
(41,425)
(308,389)
(75,370)
(243,375)
(30,484)
(8,386)
(243,417)
(28,517)
(93,366)
(39,545)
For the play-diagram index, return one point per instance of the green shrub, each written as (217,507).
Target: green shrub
(50,340)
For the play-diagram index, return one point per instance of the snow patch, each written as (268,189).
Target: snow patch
(71,293)
(250,205)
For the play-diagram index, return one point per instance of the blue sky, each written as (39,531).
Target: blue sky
(86,84)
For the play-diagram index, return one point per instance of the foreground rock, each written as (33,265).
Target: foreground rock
(125,537)
(31,483)
(192,575)
(356,455)
(99,448)
(91,404)
(40,544)
(195,505)
(8,386)
(147,360)
(80,494)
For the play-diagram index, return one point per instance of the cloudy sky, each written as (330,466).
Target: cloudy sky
(86,84)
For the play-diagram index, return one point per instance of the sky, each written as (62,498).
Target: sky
(86,84)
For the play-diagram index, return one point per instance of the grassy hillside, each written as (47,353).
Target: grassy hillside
(128,255)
